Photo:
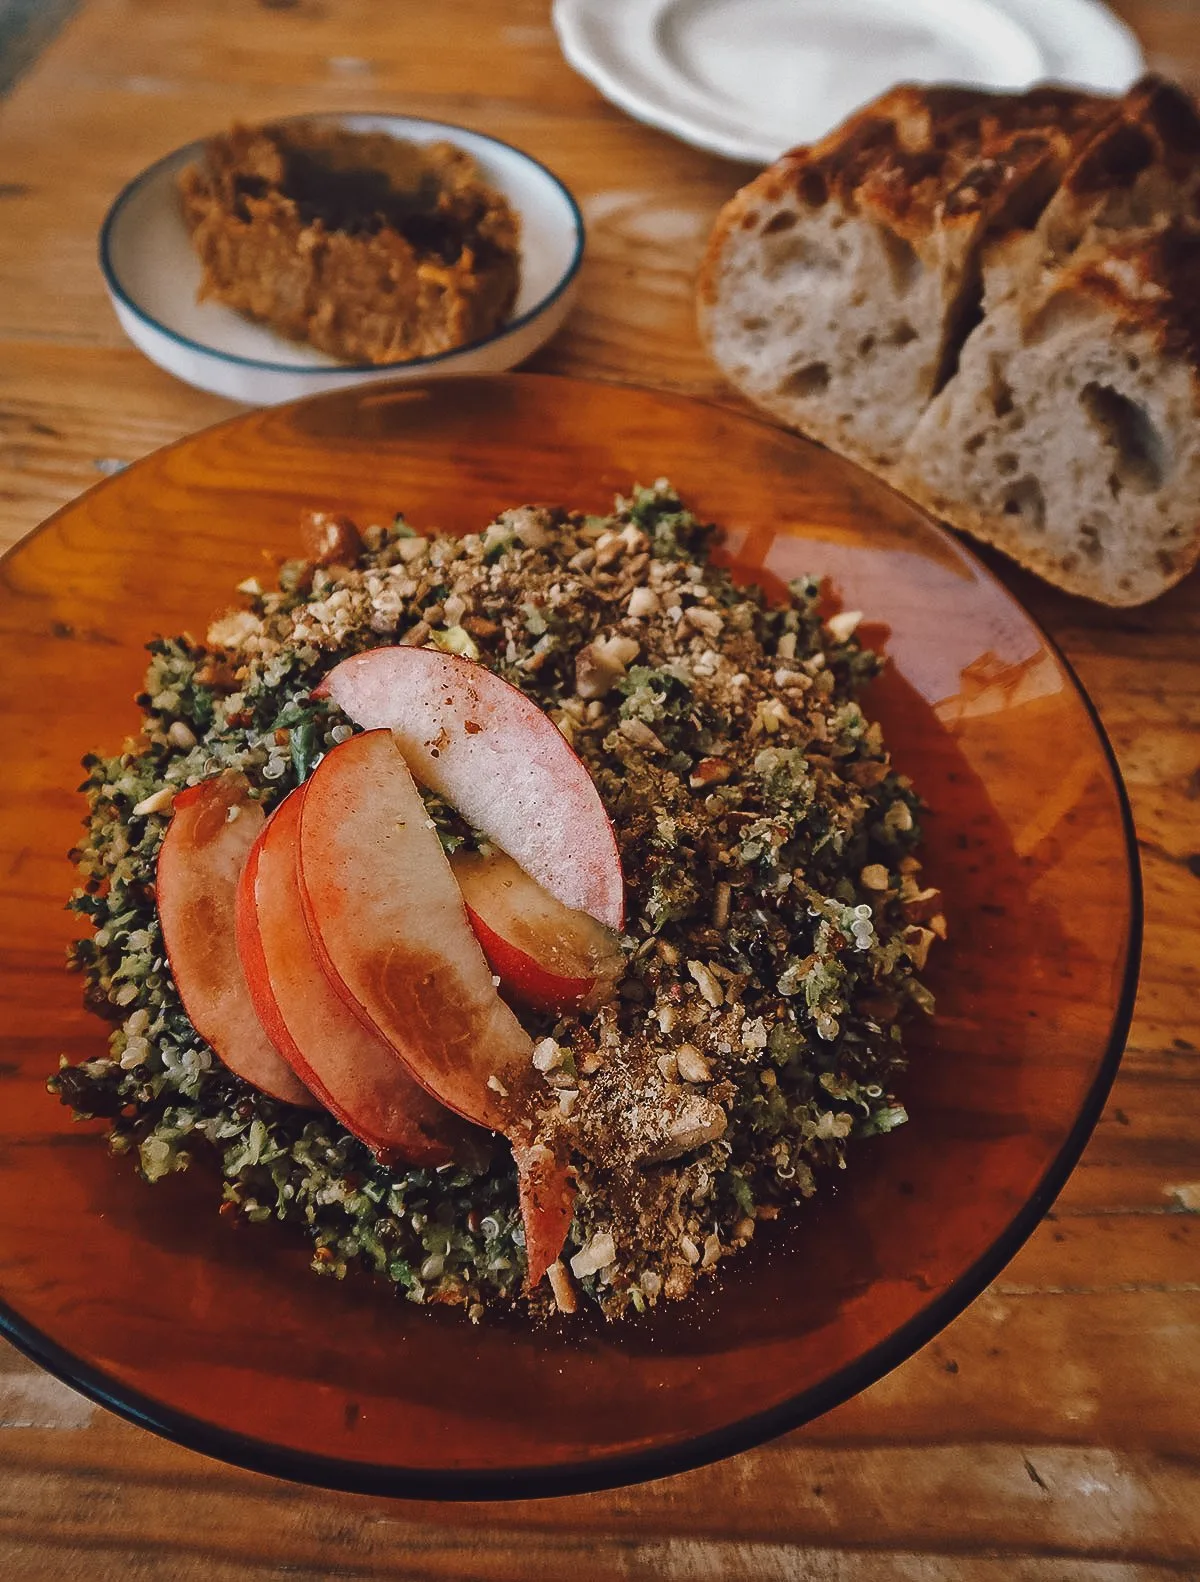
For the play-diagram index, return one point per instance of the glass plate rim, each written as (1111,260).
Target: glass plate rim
(638,1466)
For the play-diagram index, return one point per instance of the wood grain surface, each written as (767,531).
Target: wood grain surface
(1052,1433)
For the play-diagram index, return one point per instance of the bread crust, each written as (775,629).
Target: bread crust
(926,159)
(1054,196)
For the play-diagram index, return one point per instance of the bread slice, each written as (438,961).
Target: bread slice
(1140,171)
(1063,425)
(839,285)
(1070,435)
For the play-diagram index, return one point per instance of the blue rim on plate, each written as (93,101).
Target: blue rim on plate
(510,327)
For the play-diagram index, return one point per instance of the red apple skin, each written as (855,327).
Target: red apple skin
(387,922)
(546,955)
(491,752)
(357,1076)
(521,976)
(212,830)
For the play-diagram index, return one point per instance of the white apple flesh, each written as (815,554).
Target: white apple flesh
(492,754)
(213,827)
(548,956)
(357,1075)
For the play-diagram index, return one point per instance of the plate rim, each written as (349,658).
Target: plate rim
(632,1467)
(430,361)
(570,19)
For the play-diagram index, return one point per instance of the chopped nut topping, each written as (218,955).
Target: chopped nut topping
(599,664)
(417,636)
(640,733)
(710,772)
(156,802)
(707,622)
(754,1033)
(560,1285)
(695,1120)
(547,1054)
(599,1252)
(412,551)
(529,523)
(706,983)
(643,601)
(234,629)
(842,626)
(691,1064)
(330,539)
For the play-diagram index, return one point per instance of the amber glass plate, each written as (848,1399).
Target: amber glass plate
(218,1335)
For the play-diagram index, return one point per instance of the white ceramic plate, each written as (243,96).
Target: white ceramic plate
(153,277)
(751,78)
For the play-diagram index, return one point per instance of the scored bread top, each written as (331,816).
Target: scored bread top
(1139,170)
(1150,281)
(926,174)
(923,158)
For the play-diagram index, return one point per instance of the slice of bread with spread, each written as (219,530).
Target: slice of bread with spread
(989,300)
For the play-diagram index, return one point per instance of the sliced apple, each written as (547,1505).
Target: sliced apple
(213,827)
(492,753)
(357,1075)
(546,955)
(388,924)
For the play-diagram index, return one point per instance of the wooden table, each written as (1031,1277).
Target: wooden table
(1052,1433)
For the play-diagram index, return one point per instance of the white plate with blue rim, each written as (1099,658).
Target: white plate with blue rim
(751,78)
(153,278)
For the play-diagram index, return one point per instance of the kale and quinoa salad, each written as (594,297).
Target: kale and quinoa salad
(776,920)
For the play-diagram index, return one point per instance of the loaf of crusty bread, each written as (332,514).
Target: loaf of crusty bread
(991,301)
